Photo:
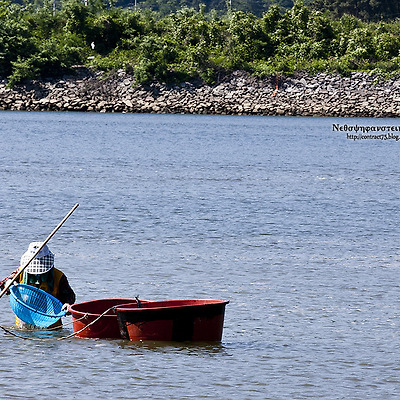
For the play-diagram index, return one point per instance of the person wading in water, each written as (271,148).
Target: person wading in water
(42,274)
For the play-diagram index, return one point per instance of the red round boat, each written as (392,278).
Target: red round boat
(172,320)
(106,326)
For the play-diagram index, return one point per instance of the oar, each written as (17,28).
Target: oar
(20,271)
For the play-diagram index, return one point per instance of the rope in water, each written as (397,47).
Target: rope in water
(61,338)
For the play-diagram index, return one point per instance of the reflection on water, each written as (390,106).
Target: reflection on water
(201,349)
(294,224)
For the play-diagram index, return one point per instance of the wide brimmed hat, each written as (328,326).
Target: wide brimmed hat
(42,263)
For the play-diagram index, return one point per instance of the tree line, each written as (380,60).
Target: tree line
(371,10)
(165,7)
(44,39)
(367,10)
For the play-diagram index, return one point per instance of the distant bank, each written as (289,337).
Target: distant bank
(360,95)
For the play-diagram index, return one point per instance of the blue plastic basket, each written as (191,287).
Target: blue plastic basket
(34,306)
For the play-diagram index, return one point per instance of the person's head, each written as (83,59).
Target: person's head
(42,263)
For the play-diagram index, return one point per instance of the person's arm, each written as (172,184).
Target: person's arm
(5,281)
(65,293)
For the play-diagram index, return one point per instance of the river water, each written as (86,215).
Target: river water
(289,219)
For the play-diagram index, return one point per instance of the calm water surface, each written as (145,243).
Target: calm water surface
(295,224)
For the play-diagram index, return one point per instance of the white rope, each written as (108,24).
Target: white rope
(87,326)
(61,338)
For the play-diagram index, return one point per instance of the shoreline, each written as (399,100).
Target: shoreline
(328,95)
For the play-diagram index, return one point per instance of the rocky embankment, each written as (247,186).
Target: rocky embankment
(360,95)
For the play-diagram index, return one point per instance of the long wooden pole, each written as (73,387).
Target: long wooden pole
(21,270)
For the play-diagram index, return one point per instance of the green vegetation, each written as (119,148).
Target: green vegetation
(165,7)
(40,40)
(368,10)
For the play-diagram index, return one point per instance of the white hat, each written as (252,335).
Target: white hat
(42,263)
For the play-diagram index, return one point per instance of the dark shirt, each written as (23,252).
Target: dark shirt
(66,294)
